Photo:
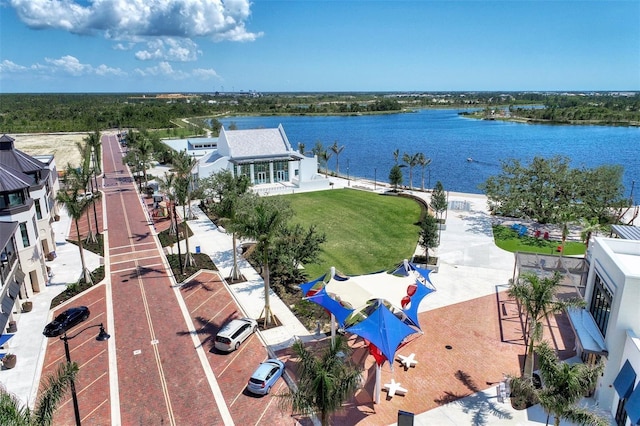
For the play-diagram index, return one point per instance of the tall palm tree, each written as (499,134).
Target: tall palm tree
(95,142)
(261,219)
(536,296)
(563,385)
(82,178)
(229,191)
(412,161)
(396,155)
(76,206)
(325,382)
(142,148)
(183,165)
(168,185)
(423,162)
(336,149)
(12,412)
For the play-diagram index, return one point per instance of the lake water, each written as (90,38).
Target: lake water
(450,140)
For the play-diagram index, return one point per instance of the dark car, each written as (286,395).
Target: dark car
(66,320)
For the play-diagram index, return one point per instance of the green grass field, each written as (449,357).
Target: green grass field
(366,232)
(508,239)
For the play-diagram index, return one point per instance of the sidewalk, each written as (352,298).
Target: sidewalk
(29,343)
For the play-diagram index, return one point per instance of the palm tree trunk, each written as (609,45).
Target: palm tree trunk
(235,271)
(267,306)
(91,237)
(188,258)
(85,271)
(175,215)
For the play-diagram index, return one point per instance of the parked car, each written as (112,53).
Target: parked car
(234,333)
(265,376)
(66,320)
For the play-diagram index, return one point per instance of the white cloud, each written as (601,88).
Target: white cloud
(163,69)
(128,19)
(8,66)
(169,49)
(68,65)
(205,74)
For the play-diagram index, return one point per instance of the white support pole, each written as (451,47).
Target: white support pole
(333,330)
(376,396)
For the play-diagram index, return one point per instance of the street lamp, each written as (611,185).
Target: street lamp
(375,178)
(348,181)
(101,337)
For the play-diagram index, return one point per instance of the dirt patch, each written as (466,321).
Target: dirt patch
(61,145)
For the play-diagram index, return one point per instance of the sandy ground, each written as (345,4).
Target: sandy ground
(61,145)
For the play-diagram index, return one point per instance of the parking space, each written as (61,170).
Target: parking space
(211,306)
(92,383)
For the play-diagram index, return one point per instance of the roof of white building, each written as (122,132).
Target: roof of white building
(259,143)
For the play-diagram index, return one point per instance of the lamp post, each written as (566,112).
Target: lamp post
(102,336)
(375,178)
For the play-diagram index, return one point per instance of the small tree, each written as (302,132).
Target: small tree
(411,160)
(439,202)
(395,176)
(325,382)
(428,234)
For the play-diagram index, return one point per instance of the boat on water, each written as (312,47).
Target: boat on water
(469,159)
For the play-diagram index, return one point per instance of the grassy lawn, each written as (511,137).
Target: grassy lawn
(508,239)
(366,232)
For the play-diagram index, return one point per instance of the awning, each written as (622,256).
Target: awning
(633,406)
(625,380)
(14,289)
(4,338)
(587,332)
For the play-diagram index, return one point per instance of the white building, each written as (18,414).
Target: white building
(264,155)
(613,299)
(27,208)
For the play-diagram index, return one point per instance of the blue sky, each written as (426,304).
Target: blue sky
(331,45)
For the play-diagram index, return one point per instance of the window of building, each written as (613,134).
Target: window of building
(245,170)
(621,412)
(38,209)
(601,304)
(261,173)
(25,234)
(281,171)
(12,199)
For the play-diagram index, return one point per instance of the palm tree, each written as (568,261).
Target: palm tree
(229,190)
(168,185)
(82,178)
(563,386)
(423,162)
(337,150)
(412,161)
(183,165)
(94,141)
(589,227)
(261,219)
(12,412)
(537,297)
(142,147)
(76,206)
(325,382)
(396,155)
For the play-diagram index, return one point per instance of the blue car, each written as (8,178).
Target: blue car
(265,376)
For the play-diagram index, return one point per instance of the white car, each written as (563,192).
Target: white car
(234,333)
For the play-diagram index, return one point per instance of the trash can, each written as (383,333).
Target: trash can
(197,249)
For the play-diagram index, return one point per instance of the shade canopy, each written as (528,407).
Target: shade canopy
(587,332)
(323,299)
(383,329)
